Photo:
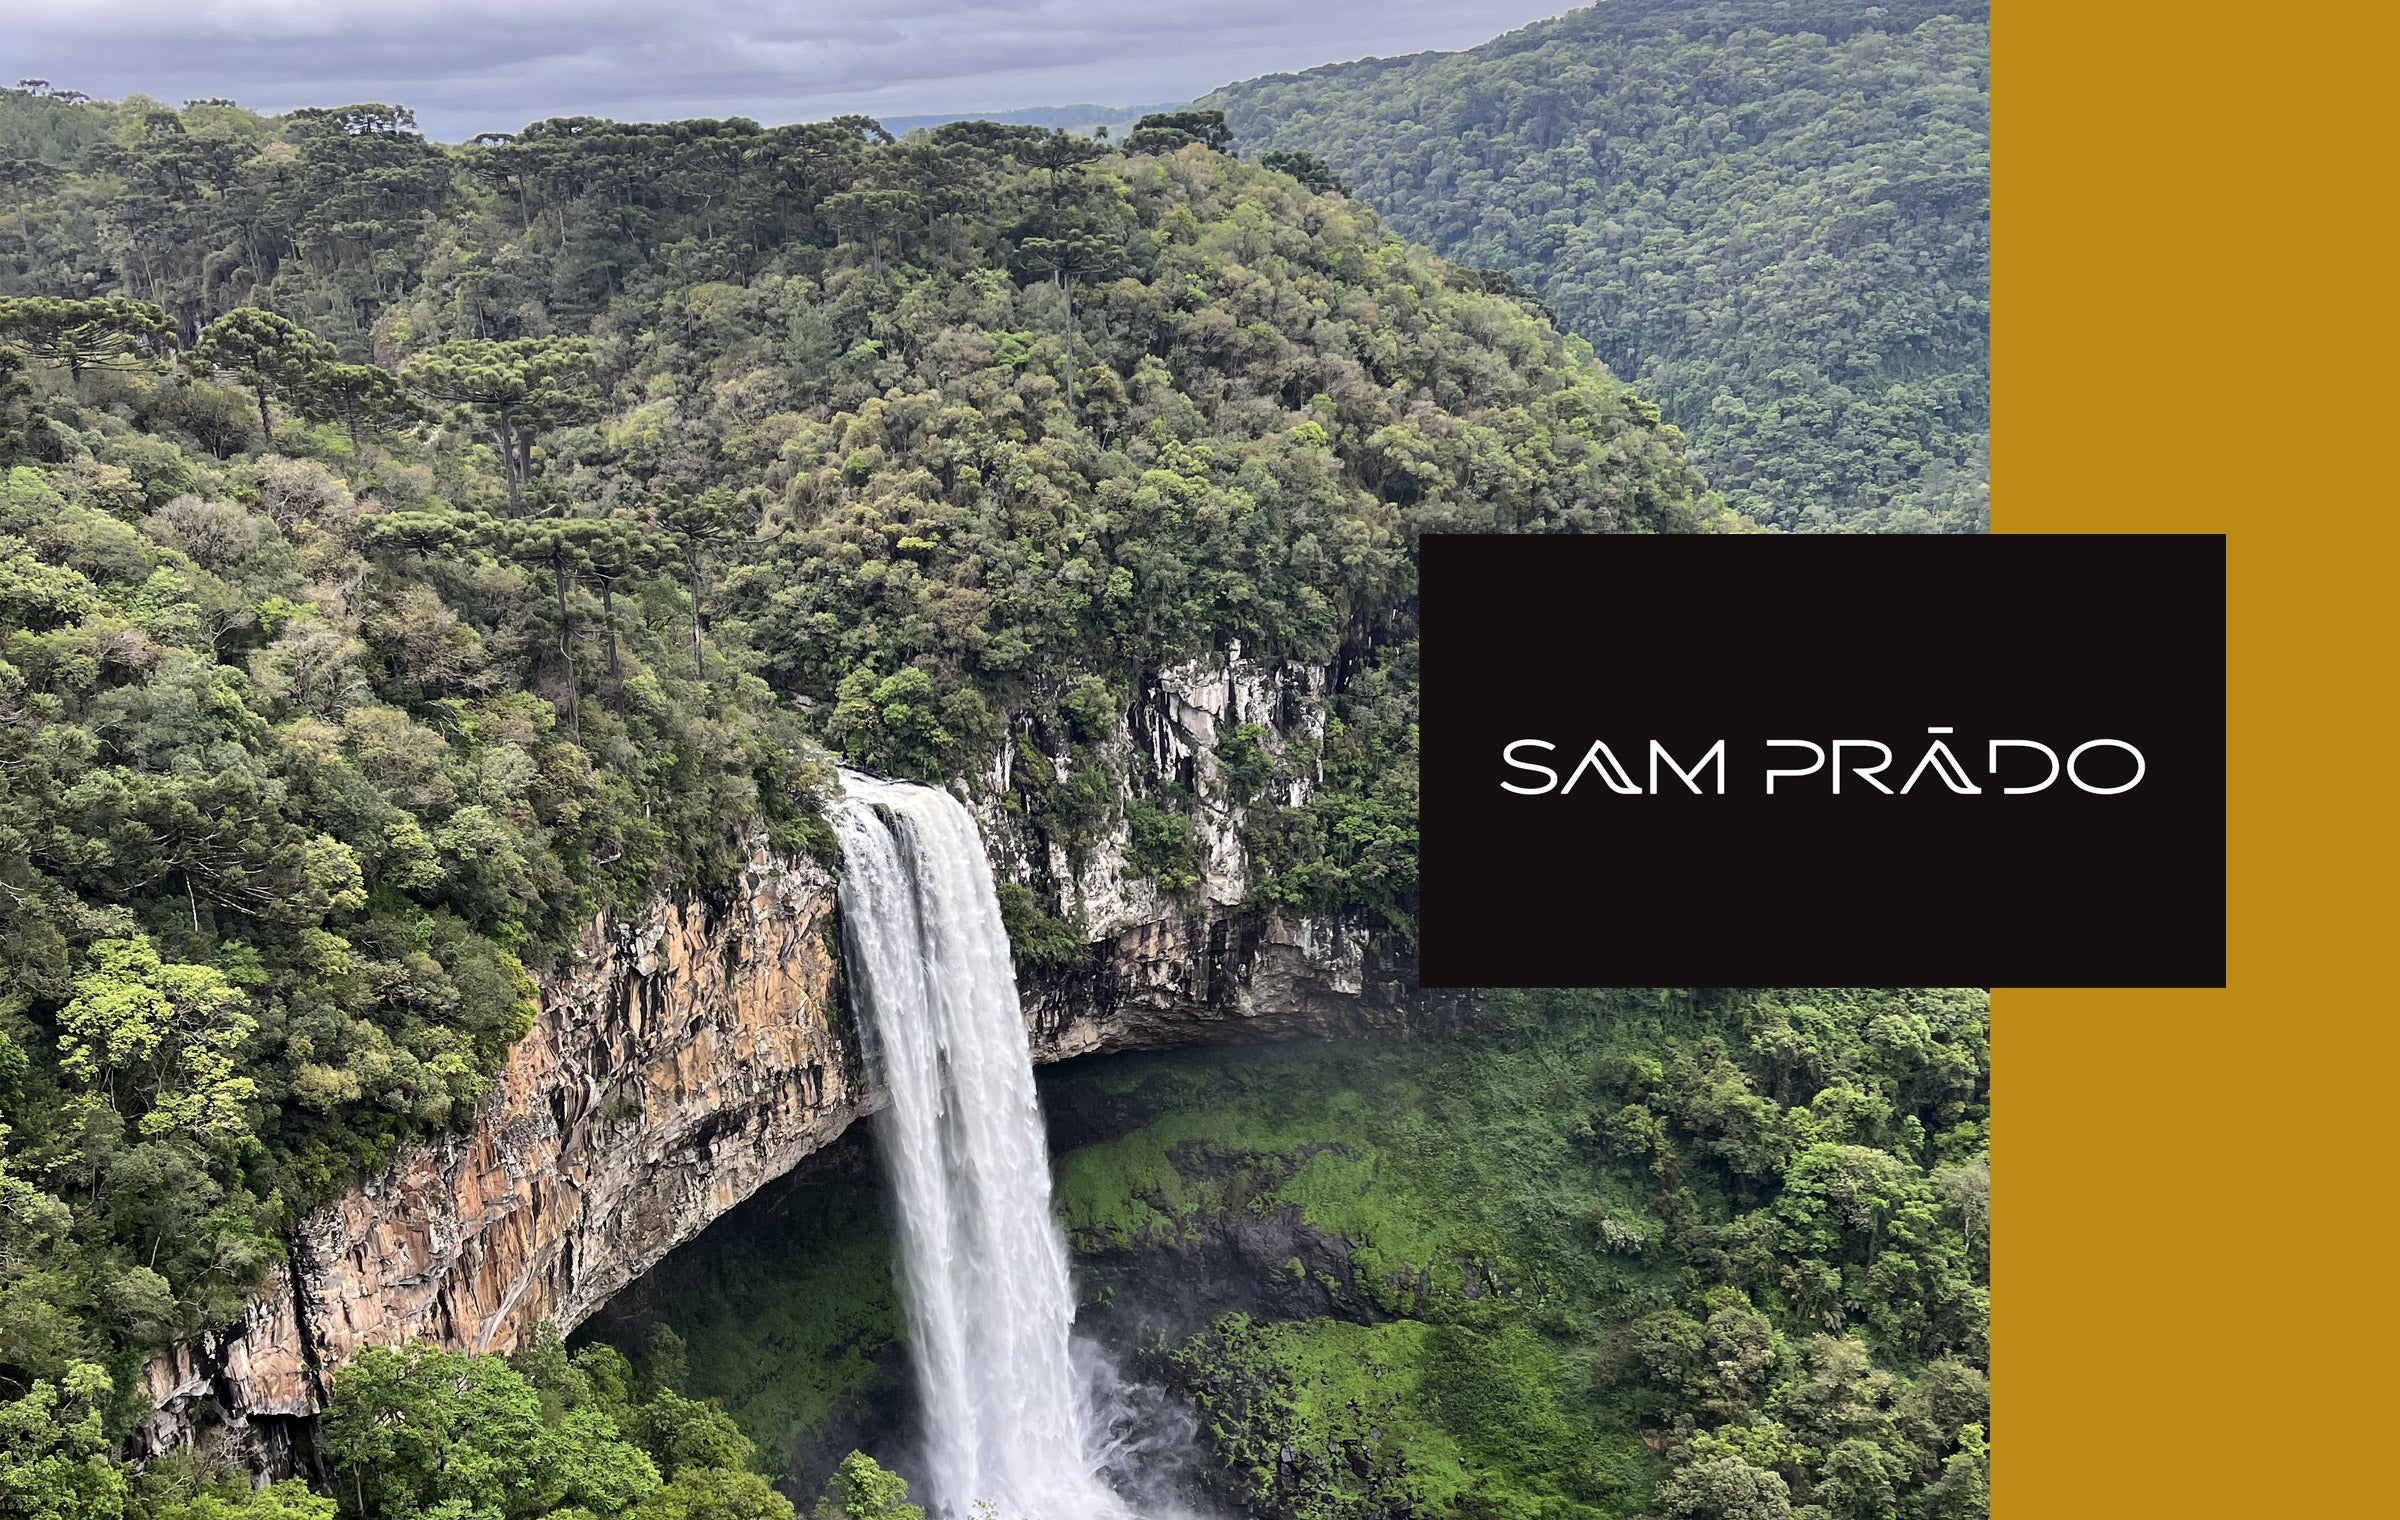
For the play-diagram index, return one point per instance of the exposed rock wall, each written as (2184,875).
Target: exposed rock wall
(1170,970)
(679,1062)
(1177,720)
(1240,974)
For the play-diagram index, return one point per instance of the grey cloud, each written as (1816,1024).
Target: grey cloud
(476,65)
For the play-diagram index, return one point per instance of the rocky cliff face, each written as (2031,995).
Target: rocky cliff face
(1171,969)
(679,1062)
(1173,729)
(683,1060)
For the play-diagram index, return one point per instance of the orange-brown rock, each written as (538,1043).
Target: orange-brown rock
(678,1062)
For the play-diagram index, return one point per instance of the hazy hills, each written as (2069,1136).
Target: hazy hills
(1772,216)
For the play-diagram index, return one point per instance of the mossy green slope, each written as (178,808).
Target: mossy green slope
(789,1313)
(1610,1239)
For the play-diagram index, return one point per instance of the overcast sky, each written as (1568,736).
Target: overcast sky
(470,66)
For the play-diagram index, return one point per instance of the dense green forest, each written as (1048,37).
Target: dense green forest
(1773,216)
(1694,1255)
(409,551)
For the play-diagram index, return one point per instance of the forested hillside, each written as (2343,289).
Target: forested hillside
(1771,215)
(409,551)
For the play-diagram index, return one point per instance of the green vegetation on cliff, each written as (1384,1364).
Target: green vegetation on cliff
(1772,215)
(290,809)
(408,552)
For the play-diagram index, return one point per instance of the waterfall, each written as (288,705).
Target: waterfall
(983,1266)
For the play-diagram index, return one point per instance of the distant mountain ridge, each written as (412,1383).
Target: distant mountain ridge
(1772,215)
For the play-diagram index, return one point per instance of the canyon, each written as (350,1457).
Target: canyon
(686,1056)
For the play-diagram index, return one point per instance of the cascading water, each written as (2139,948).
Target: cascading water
(983,1267)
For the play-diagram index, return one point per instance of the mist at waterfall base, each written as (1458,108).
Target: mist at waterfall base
(1017,1415)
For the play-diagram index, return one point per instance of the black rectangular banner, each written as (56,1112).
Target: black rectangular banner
(1823,760)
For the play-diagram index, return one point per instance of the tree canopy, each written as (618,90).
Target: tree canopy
(110,331)
(521,385)
(272,355)
(425,1434)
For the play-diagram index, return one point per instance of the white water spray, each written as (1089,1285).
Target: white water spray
(983,1267)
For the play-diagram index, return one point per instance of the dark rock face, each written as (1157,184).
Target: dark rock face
(1270,1267)
(1233,974)
(823,1207)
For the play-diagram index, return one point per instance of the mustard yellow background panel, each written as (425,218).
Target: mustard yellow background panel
(2193,258)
